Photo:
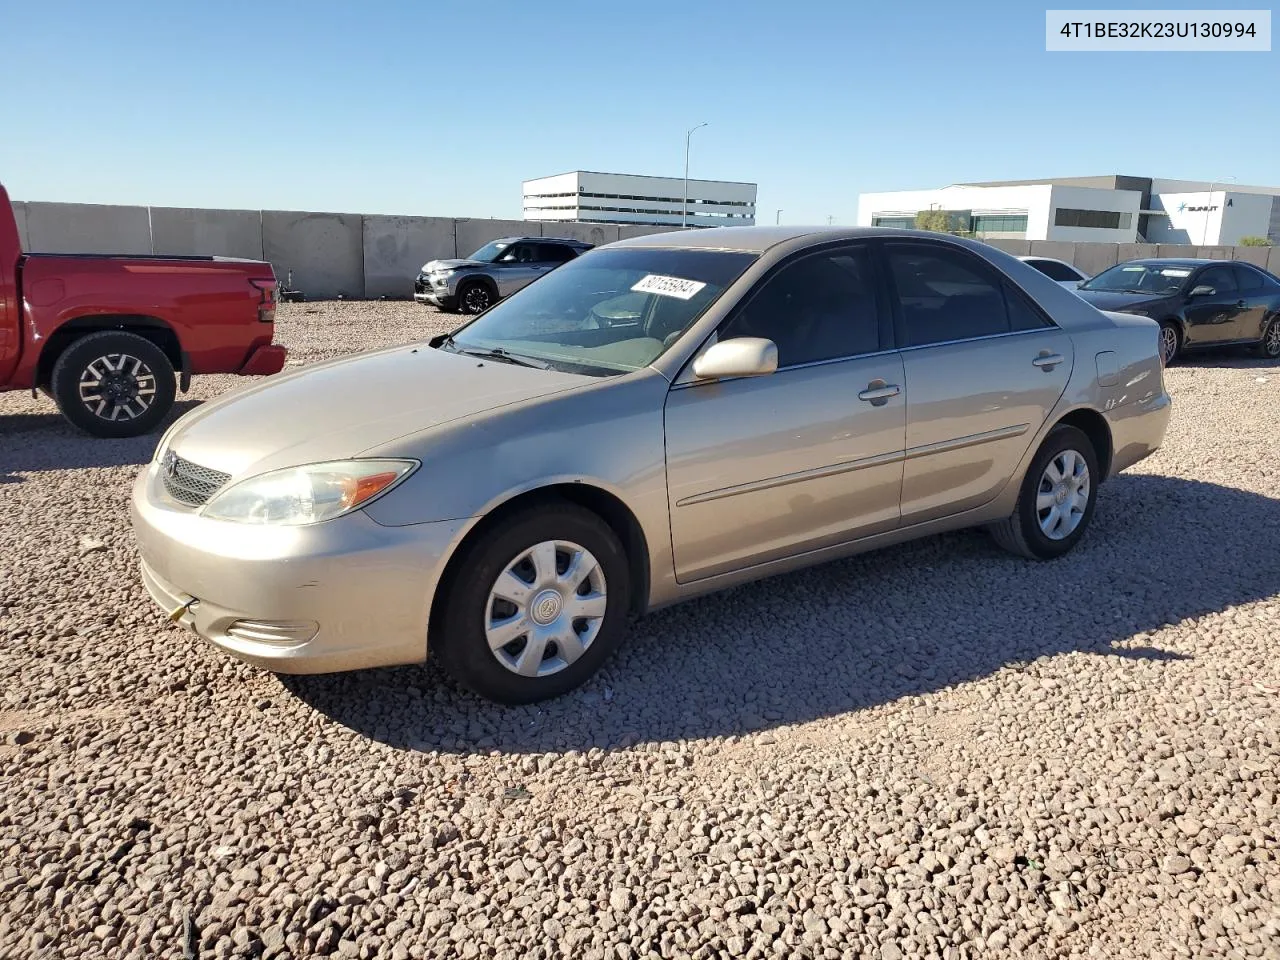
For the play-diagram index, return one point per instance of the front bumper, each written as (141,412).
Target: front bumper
(442,292)
(345,594)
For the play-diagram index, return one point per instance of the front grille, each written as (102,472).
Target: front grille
(189,482)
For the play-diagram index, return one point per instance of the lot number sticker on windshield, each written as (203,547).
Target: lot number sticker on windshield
(669,286)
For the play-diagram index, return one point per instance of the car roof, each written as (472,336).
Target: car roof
(569,240)
(760,239)
(1187,261)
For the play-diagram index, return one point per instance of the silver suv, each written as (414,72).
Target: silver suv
(496,270)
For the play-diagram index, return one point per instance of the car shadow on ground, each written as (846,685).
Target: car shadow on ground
(36,442)
(861,632)
(1224,359)
(854,634)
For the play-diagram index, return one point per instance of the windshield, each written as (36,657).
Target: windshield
(1156,279)
(490,251)
(608,311)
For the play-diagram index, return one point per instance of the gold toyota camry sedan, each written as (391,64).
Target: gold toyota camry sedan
(657,419)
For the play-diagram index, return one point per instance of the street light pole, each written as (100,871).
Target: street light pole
(777,219)
(684,207)
(1204,234)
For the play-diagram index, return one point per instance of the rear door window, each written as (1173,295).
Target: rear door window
(945,295)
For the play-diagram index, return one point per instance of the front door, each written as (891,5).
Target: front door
(517,267)
(1216,317)
(766,467)
(984,367)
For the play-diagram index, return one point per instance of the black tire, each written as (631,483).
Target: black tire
(1170,342)
(462,647)
(475,296)
(1021,533)
(1269,347)
(139,395)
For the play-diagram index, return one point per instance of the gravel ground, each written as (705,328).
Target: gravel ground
(935,750)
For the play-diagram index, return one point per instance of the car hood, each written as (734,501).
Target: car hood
(1107,300)
(339,409)
(450,264)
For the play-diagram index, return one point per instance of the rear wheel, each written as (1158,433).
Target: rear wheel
(113,384)
(537,604)
(1270,345)
(1170,342)
(1057,498)
(475,297)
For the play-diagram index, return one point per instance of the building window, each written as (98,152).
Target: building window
(998,223)
(1097,219)
(903,223)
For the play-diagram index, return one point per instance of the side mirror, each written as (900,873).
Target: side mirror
(1203,290)
(739,357)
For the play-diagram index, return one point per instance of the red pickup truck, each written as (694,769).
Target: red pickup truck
(112,338)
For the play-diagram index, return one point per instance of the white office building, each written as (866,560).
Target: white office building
(589,197)
(1113,209)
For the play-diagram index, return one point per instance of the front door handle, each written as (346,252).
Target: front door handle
(878,392)
(1047,361)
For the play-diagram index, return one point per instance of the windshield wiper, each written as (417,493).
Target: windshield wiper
(496,353)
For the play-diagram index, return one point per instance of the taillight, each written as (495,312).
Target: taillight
(267,304)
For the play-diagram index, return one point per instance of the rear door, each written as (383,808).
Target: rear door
(1257,295)
(984,367)
(1216,317)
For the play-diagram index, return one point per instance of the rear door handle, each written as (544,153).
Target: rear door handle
(878,392)
(1047,361)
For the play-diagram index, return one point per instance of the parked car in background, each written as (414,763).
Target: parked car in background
(112,338)
(496,270)
(1064,273)
(1198,303)
(509,493)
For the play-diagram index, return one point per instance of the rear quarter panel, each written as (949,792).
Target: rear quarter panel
(209,304)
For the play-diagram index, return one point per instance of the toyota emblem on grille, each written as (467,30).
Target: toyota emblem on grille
(169,464)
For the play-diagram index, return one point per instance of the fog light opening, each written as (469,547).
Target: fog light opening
(285,633)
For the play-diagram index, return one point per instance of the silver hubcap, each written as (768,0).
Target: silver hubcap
(117,387)
(476,299)
(1273,339)
(545,608)
(1063,495)
(1168,343)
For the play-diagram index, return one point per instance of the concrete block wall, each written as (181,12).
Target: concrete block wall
(395,248)
(324,251)
(87,228)
(355,255)
(192,232)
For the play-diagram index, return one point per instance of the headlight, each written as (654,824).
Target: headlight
(443,273)
(307,494)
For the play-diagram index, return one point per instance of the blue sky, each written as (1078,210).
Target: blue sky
(444,108)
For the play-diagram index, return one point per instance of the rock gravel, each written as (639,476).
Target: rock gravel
(936,750)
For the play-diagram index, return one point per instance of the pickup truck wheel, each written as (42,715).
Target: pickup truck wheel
(114,384)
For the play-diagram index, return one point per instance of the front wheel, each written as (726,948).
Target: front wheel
(113,384)
(536,605)
(475,297)
(1269,348)
(1170,342)
(1057,498)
